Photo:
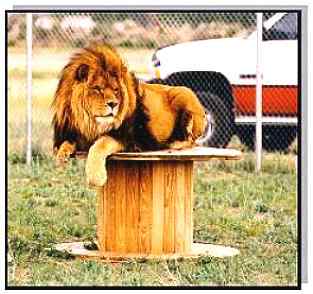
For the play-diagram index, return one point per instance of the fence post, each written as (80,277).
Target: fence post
(29,45)
(258,110)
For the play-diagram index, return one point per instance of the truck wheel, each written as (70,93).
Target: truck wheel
(274,138)
(278,138)
(220,121)
(246,135)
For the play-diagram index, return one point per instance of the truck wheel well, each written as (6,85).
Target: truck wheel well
(204,81)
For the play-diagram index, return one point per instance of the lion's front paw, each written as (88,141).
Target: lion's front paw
(96,172)
(62,158)
(64,153)
(178,145)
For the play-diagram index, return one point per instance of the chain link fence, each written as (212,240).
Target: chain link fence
(221,70)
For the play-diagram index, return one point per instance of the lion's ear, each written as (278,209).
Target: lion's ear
(82,73)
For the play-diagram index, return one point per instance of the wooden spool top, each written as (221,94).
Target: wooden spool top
(195,154)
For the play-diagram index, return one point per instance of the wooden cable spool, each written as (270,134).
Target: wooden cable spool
(145,210)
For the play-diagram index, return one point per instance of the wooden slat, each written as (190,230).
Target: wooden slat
(146,215)
(169,209)
(188,206)
(158,208)
(120,206)
(132,207)
(179,204)
(110,238)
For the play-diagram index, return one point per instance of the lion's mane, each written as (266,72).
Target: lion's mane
(72,120)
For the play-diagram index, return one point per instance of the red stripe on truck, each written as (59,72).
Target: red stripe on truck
(277,100)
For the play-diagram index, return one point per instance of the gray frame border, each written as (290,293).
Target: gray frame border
(304,144)
(304,89)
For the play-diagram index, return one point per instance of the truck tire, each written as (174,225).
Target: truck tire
(246,135)
(274,138)
(220,121)
(278,138)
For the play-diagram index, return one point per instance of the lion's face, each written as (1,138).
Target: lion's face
(98,95)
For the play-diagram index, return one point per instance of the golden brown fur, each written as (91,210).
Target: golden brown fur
(100,107)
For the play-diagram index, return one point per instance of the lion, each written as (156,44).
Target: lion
(100,107)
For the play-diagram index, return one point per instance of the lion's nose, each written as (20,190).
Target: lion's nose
(112,104)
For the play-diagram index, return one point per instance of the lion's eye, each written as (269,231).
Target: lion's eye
(97,89)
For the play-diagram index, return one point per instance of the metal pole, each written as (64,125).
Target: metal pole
(29,40)
(258,110)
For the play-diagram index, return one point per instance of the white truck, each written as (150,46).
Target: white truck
(223,74)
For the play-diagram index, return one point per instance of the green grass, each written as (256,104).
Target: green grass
(233,206)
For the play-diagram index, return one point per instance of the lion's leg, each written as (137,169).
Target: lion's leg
(185,100)
(64,152)
(95,165)
(185,126)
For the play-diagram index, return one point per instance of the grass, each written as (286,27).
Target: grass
(233,206)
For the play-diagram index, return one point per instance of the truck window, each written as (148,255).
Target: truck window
(285,29)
